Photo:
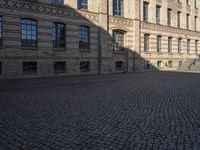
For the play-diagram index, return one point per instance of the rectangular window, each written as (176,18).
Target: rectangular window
(170,44)
(159,64)
(84,66)
(29,33)
(180,63)
(178,19)
(158,43)
(145,11)
(59,35)
(158,14)
(29,67)
(147,65)
(59,67)
(179,45)
(195,3)
(170,64)
(119,66)
(146,42)
(188,46)
(187,2)
(187,21)
(1,31)
(84,35)
(118,41)
(118,7)
(195,23)
(169,11)
(82,4)
(196,46)
(58,2)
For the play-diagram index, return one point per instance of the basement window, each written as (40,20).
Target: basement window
(59,67)
(84,66)
(29,67)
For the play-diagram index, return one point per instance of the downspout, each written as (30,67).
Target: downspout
(140,26)
(108,17)
(99,39)
(135,54)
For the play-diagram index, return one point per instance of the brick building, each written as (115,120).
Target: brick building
(71,37)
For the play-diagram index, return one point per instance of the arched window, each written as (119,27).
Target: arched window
(118,40)
(118,7)
(84,37)
(58,35)
(82,4)
(29,32)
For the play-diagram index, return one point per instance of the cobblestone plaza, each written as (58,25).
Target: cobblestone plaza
(140,111)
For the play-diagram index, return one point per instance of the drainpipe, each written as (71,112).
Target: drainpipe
(99,39)
(108,17)
(135,54)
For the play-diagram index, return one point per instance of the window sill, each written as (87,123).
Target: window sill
(84,50)
(147,52)
(29,73)
(118,16)
(60,49)
(29,48)
(160,53)
(83,9)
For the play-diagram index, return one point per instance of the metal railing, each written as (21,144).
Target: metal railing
(194,62)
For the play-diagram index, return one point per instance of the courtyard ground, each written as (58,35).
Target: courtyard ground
(137,111)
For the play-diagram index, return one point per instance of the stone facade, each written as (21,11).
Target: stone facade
(101,22)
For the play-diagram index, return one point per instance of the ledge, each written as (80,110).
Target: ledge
(84,50)
(29,48)
(59,49)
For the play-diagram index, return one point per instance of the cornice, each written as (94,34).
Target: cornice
(48,9)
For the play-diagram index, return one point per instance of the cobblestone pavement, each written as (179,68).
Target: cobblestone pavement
(139,111)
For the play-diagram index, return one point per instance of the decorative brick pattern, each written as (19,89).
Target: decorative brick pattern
(47,9)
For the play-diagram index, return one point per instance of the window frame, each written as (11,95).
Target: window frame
(159,43)
(169,16)
(36,32)
(170,44)
(146,43)
(34,69)
(58,2)
(85,64)
(57,43)
(178,19)
(58,68)
(159,64)
(188,46)
(187,21)
(170,64)
(82,5)
(119,11)
(158,7)
(196,46)
(195,23)
(117,64)
(179,45)
(82,44)
(145,11)
(118,45)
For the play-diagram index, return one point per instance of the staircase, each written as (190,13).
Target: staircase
(190,65)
